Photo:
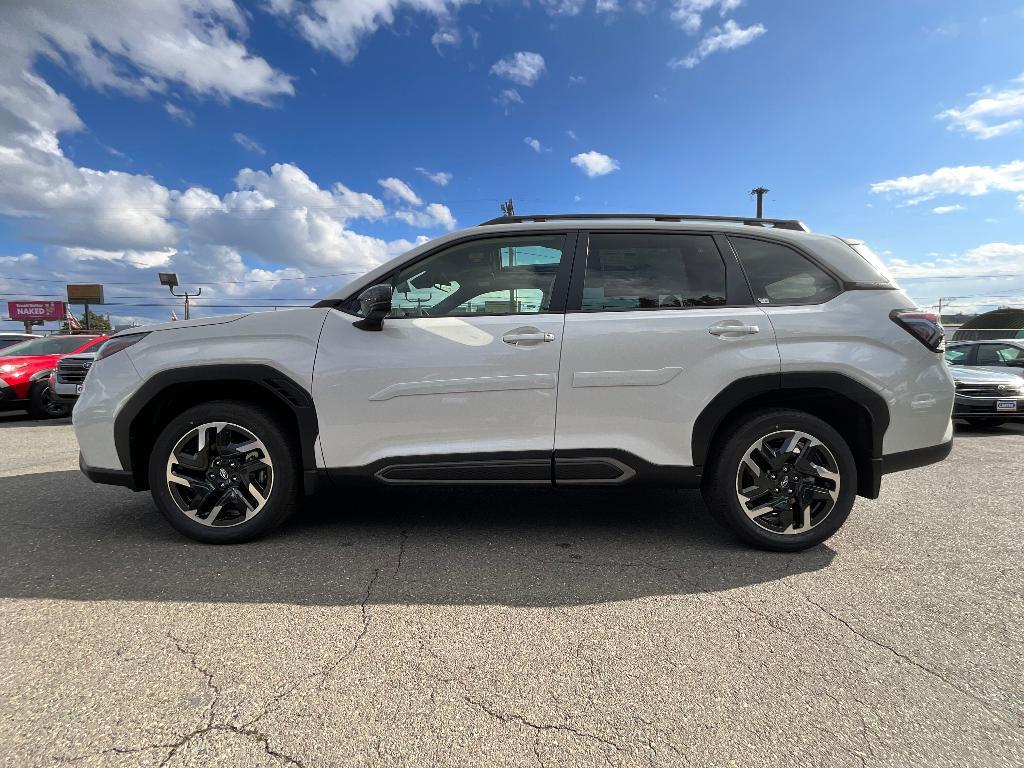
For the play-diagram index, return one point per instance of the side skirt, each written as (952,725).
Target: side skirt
(528,468)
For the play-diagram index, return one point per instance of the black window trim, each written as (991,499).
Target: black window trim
(842,285)
(737,291)
(559,289)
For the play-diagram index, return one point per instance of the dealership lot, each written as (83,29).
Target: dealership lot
(509,628)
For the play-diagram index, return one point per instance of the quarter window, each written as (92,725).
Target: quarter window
(652,271)
(780,275)
(495,276)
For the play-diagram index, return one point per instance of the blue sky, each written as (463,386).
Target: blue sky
(251,147)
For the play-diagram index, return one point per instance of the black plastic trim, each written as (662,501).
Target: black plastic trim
(733,397)
(564,467)
(121,477)
(275,382)
(918,457)
(792,224)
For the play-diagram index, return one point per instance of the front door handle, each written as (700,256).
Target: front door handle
(527,338)
(732,329)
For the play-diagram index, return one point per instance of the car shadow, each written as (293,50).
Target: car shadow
(964,430)
(19,419)
(65,538)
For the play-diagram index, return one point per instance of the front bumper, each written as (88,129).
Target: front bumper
(9,398)
(119,477)
(65,393)
(985,407)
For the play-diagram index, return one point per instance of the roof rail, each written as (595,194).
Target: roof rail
(793,224)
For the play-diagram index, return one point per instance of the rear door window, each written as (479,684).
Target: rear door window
(779,275)
(652,271)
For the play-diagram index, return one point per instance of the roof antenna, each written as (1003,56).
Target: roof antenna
(508,208)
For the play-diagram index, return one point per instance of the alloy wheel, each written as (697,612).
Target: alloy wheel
(220,474)
(787,482)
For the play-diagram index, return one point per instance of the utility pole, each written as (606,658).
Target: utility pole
(508,208)
(760,192)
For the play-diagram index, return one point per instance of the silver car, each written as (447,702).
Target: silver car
(68,377)
(1002,355)
(986,397)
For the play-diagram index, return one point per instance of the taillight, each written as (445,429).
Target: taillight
(926,327)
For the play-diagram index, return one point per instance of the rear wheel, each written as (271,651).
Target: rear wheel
(223,473)
(43,405)
(781,480)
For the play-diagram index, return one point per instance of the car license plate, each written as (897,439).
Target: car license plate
(1006,405)
(78,389)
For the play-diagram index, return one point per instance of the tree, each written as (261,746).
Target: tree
(96,322)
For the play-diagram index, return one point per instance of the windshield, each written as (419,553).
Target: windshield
(51,345)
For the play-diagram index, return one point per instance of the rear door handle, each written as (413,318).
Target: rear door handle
(732,328)
(527,338)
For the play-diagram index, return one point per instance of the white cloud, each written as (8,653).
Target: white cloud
(992,113)
(563,7)
(966,180)
(144,46)
(441,178)
(178,113)
(522,67)
(607,6)
(339,26)
(988,259)
(944,209)
(399,190)
(577,80)
(248,143)
(571,134)
(449,36)
(533,144)
(688,14)
(434,215)
(594,163)
(728,37)
(507,98)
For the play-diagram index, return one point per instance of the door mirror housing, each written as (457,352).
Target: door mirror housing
(375,305)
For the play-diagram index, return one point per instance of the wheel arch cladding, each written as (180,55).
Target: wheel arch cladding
(860,415)
(170,392)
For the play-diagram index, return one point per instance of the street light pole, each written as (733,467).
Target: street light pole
(760,192)
(170,279)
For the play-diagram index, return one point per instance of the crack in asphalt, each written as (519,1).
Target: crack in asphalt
(325,673)
(539,727)
(996,713)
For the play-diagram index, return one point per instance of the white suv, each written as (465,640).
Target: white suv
(781,371)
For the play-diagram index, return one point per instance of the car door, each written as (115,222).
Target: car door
(658,323)
(999,356)
(460,383)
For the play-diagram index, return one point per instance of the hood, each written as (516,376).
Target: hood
(173,326)
(970,375)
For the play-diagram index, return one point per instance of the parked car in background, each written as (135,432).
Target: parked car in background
(780,371)
(7,339)
(1006,355)
(987,397)
(68,376)
(25,371)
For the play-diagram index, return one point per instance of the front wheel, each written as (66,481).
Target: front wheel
(43,405)
(782,480)
(223,472)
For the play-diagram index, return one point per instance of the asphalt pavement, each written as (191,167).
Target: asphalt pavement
(511,628)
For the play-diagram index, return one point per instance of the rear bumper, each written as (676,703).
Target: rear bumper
(919,457)
(119,477)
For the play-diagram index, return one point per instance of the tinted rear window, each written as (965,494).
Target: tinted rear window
(779,275)
(652,271)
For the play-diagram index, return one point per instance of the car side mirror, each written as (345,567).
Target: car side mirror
(375,304)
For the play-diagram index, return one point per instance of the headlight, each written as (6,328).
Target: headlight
(11,367)
(118,343)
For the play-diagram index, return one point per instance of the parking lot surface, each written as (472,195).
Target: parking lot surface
(511,628)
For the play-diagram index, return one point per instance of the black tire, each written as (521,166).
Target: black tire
(723,474)
(282,488)
(985,422)
(42,405)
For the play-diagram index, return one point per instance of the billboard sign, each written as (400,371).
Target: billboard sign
(85,294)
(36,310)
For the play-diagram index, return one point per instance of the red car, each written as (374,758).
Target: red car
(25,368)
